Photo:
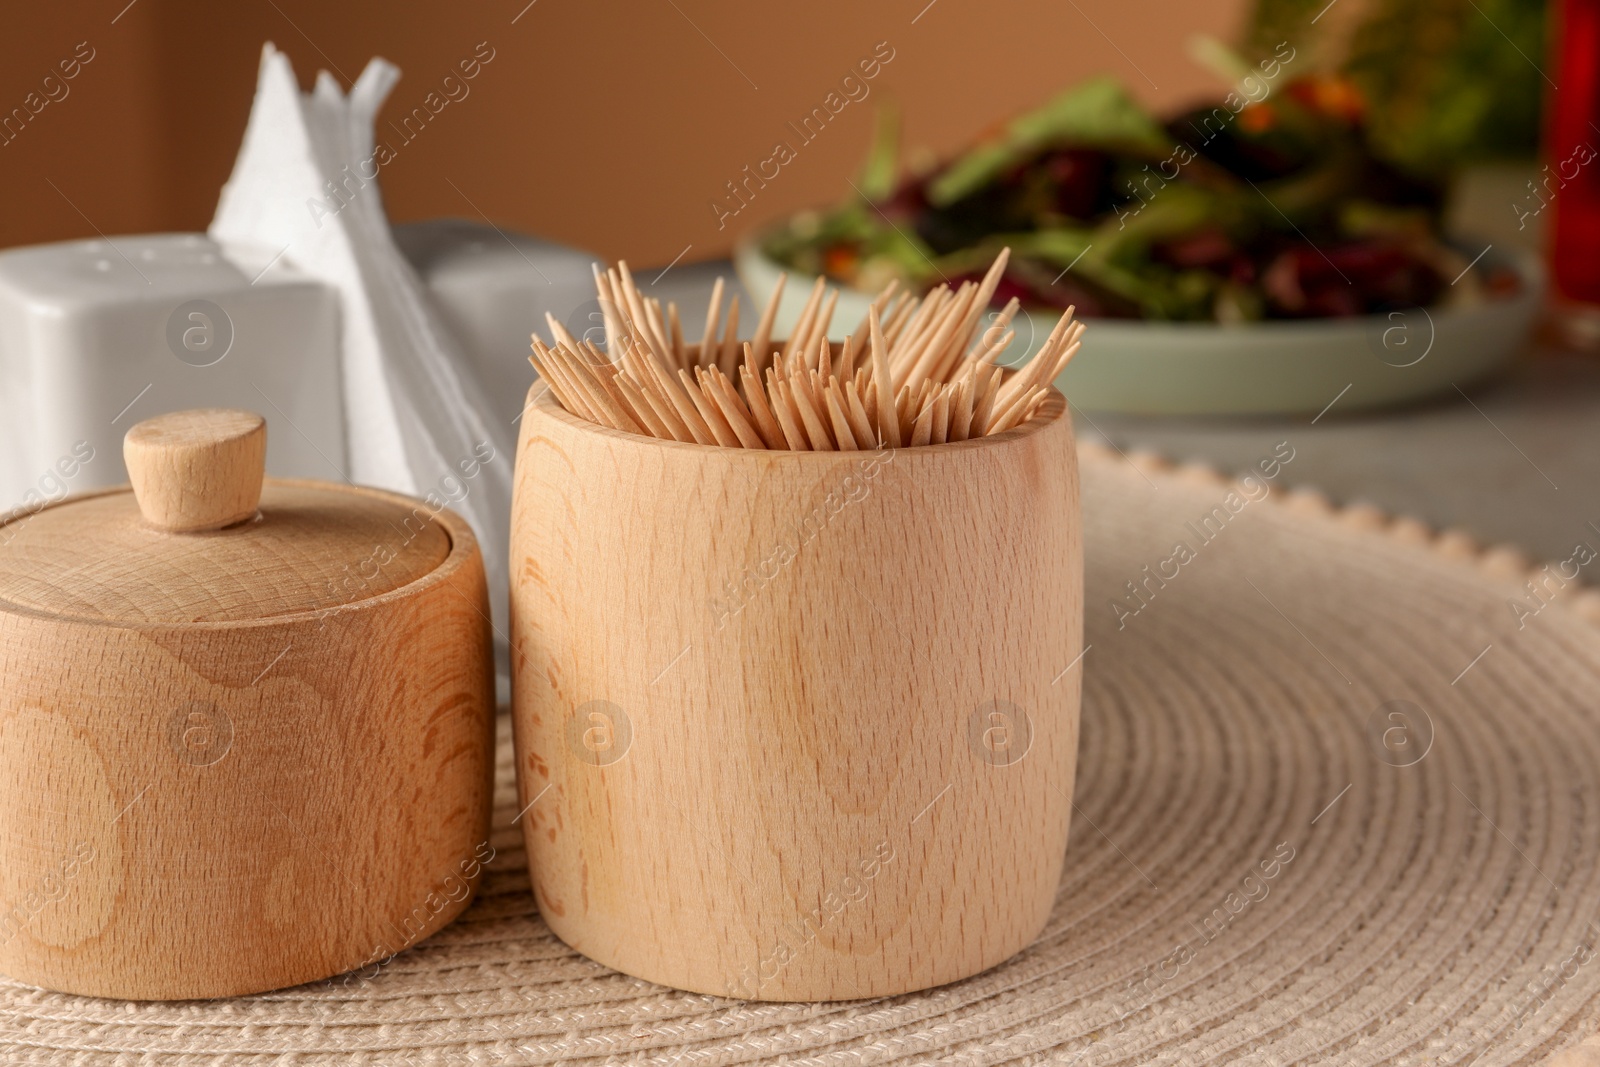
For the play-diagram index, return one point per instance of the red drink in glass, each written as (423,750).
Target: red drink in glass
(1571,174)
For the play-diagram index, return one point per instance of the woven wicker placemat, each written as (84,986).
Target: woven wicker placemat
(1338,802)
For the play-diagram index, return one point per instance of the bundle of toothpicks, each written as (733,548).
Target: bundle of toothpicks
(915,372)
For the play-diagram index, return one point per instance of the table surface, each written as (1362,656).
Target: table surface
(1507,462)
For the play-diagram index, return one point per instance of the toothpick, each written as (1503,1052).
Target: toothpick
(769,428)
(643,323)
(879,303)
(688,411)
(678,347)
(816,429)
(882,382)
(558,331)
(922,430)
(984,342)
(1043,360)
(640,327)
(989,387)
(763,335)
(896,317)
(641,408)
(916,370)
(841,423)
(708,412)
(819,328)
(932,349)
(802,327)
(990,353)
(846,366)
(822,361)
(658,323)
(856,412)
(728,359)
(803,387)
(558,387)
(658,397)
(1065,358)
(980,304)
(961,409)
(713,314)
(664,410)
(609,312)
(1018,411)
(604,370)
(788,416)
(1034,405)
(733,409)
(902,357)
(598,400)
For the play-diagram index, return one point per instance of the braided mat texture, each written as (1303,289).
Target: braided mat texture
(1272,861)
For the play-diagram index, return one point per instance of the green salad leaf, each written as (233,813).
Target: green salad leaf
(1099,113)
(882,169)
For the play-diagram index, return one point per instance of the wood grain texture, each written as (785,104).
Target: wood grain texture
(795,725)
(199,469)
(312,546)
(201,809)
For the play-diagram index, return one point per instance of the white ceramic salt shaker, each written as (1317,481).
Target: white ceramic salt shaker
(96,335)
(492,289)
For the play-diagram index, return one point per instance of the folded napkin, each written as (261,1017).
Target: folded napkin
(304,191)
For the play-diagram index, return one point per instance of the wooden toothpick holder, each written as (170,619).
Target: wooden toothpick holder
(795,726)
(246,730)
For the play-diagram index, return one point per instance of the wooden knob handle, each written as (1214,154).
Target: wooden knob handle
(197,470)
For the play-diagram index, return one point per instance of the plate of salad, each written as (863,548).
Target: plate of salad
(1251,256)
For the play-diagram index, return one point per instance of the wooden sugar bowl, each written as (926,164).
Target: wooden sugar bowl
(245,729)
(795,725)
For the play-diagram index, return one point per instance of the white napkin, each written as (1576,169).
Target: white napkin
(416,423)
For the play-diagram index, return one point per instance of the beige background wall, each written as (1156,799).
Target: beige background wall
(607,124)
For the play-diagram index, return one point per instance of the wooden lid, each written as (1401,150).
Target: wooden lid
(197,470)
(201,538)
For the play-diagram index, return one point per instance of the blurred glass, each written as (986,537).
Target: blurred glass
(1570,176)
